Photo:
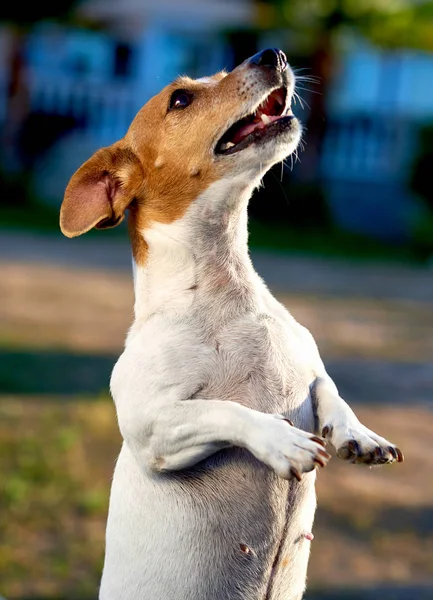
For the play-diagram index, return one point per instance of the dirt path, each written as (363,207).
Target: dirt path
(373,324)
(64,309)
(296,274)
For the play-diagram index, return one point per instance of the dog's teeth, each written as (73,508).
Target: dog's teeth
(227,146)
(266,120)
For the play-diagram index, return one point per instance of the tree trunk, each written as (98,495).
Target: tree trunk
(17,103)
(322,65)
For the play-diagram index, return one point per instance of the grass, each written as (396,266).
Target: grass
(331,243)
(53,503)
(61,331)
(33,216)
(57,457)
(269,236)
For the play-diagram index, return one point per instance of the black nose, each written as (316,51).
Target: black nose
(271,57)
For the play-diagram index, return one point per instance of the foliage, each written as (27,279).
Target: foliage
(331,242)
(388,23)
(283,199)
(422,237)
(420,183)
(421,170)
(34,11)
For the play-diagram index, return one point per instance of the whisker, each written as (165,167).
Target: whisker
(297,97)
(286,164)
(304,89)
(281,186)
(309,79)
(299,69)
(301,101)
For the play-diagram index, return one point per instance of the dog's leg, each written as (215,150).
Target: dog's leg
(338,423)
(179,434)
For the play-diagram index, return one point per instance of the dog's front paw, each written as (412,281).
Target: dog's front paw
(289,451)
(357,444)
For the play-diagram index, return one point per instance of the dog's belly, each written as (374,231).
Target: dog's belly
(228,529)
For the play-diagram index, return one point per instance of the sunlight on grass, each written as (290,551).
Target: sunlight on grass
(59,437)
(57,460)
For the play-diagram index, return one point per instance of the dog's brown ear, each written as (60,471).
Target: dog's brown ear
(101,190)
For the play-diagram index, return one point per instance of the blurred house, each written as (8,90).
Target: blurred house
(85,86)
(378,103)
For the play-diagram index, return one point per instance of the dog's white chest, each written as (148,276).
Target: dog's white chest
(259,361)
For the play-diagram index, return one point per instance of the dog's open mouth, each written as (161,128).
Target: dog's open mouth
(256,126)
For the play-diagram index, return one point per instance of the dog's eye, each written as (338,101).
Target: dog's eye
(180,99)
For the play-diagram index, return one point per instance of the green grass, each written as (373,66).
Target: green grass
(267,236)
(333,243)
(57,460)
(37,217)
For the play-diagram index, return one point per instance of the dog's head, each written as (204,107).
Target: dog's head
(190,135)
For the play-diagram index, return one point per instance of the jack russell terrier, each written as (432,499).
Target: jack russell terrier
(221,395)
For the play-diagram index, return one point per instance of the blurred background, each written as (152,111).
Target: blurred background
(343,233)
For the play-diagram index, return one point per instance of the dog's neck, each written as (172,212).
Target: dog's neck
(204,254)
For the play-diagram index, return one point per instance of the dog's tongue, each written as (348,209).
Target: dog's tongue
(258,123)
(268,112)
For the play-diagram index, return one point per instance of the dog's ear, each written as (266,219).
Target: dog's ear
(101,190)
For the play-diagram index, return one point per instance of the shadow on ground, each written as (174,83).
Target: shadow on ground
(384,593)
(388,520)
(38,372)
(388,593)
(35,371)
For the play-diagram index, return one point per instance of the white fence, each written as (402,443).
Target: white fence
(367,148)
(102,110)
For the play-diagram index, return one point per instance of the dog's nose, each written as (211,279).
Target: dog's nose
(271,57)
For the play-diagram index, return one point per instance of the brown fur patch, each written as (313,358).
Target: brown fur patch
(165,161)
(101,190)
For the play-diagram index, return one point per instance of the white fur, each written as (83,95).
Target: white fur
(203,504)
(205,80)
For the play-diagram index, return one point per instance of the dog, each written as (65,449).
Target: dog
(222,399)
